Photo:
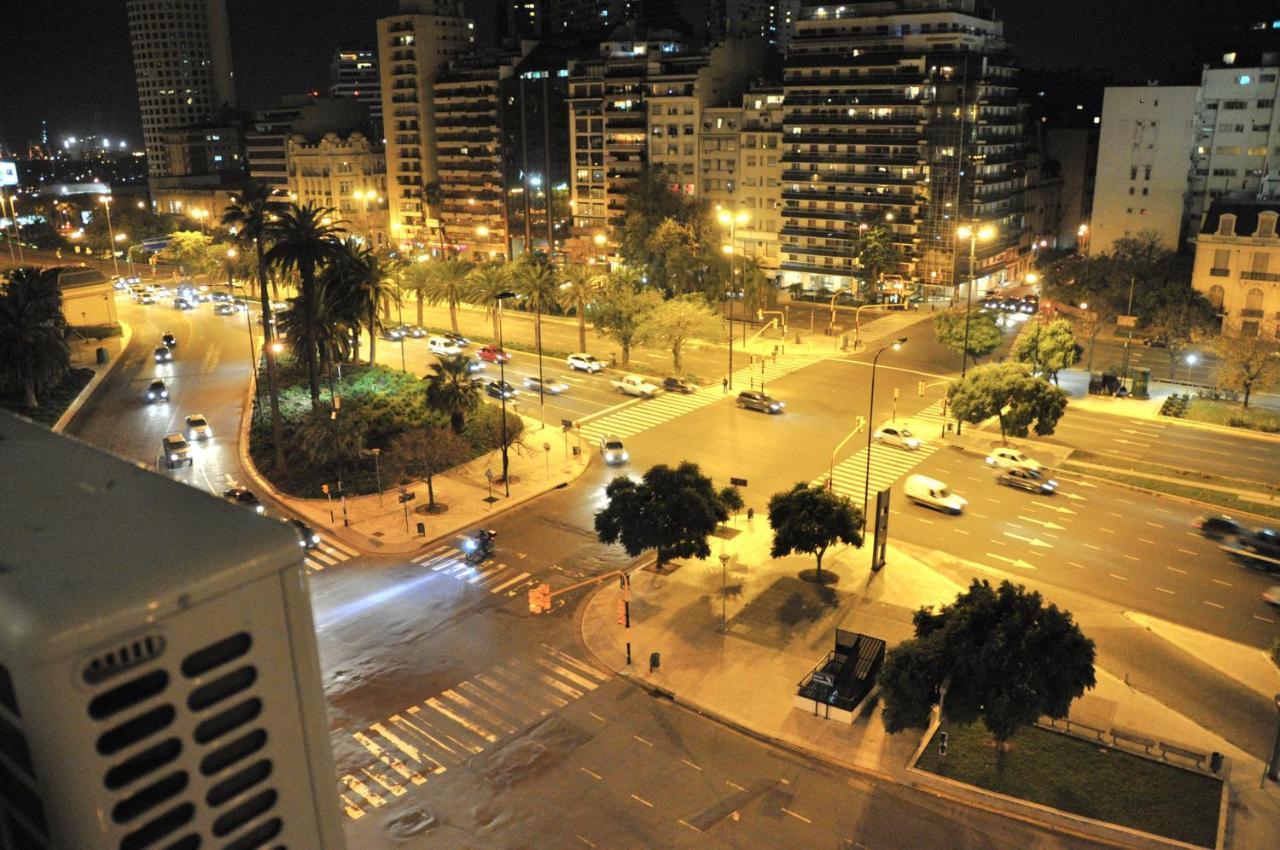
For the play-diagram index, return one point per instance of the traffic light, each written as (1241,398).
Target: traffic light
(920,388)
(324,488)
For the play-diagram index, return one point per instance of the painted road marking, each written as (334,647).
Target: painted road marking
(797,816)
(734,785)
(691,764)
(1215,605)
(475,728)
(1121,578)
(1166,590)
(1186,551)
(683,822)
(642,801)
(370,796)
(1176,570)
(1223,583)
(642,740)
(507,584)
(591,773)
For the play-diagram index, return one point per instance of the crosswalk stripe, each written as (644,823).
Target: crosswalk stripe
(315,565)
(572,693)
(519,681)
(485,715)
(389,759)
(474,728)
(580,665)
(368,794)
(352,809)
(418,559)
(342,548)
(408,749)
(495,685)
(389,785)
(494,575)
(501,708)
(325,557)
(507,584)
(420,716)
(486,571)
(427,737)
(567,674)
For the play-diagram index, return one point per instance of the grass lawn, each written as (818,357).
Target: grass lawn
(1229,501)
(1232,414)
(1086,779)
(56,401)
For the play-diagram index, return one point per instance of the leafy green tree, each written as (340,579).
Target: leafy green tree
(758,291)
(984,334)
(1048,348)
(325,439)
(676,321)
(251,218)
(731,498)
(878,253)
(650,202)
(414,280)
(304,243)
(1007,391)
(191,251)
(621,309)
(423,453)
(137,224)
(34,356)
(996,655)
(536,281)
(676,257)
(1181,325)
(487,282)
(581,284)
(450,282)
(812,519)
(672,511)
(485,433)
(451,391)
(1247,364)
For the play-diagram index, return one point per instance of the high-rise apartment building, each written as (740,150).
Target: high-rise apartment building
(901,114)
(182,61)
(354,73)
(413,47)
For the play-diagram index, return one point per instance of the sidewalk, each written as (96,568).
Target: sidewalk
(377,524)
(84,356)
(779,628)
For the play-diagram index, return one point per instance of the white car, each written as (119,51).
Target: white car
(198,428)
(443,347)
(1007,457)
(612,450)
(932,494)
(548,385)
(584,363)
(896,435)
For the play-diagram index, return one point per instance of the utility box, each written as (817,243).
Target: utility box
(152,696)
(1141,382)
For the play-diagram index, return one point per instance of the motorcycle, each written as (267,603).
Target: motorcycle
(479,546)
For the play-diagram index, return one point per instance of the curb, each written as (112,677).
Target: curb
(1162,495)
(350,538)
(126,334)
(1247,433)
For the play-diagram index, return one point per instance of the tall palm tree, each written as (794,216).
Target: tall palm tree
(306,239)
(488,280)
(581,283)
(373,280)
(253,220)
(33,353)
(320,331)
(451,391)
(448,282)
(536,282)
(416,278)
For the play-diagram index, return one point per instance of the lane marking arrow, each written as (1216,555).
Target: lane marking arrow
(1048,526)
(1049,507)
(1034,541)
(1074,497)
(1016,562)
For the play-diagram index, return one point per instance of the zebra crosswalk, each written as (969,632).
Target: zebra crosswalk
(490,574)
(327,553)
(643,415)
(427,738)
(888,463)
(887,326)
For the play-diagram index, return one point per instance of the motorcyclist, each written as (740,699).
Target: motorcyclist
(484,540)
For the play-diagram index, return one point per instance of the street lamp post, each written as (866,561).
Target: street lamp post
(111,236)
(732,220)
(13,258)
(871,402)
(121,238)
(17,231)
(502,380)
(973,235)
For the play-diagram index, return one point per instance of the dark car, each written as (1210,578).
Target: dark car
(752,400)
(221,298)
(1264,542)
(169,340)
(307,538)
(183,303)
(678,385)
(414,331)
(1031,480)
(1156,342)
(157,391)
(225,309)
(241,496)
(499,389)
(391,334)
(1218,527)
(163,354)
(457,339)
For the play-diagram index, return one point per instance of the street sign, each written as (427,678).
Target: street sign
(488,473)
(566,424)
(1127,321)
(738,482)
(407,497)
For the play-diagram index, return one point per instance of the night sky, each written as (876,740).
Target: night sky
(68,61)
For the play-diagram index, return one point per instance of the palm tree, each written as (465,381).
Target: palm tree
(433,197)
(581,282)
(488,281)
(307,238)
(253,220)
(416,278)
(320,331)
(448,282)
(451,391)
(535,281)
(373,281)
(33,353)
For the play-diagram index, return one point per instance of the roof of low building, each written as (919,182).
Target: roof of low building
(1245,206)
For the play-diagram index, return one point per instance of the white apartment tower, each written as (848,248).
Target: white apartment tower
(182,61)
(413,47)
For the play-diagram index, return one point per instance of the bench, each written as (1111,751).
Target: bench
(1143,741)
(1199,758)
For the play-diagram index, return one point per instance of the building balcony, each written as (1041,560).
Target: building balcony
(1219,272)
(1252,314)
(881,199)
(1272,277)
(828,177)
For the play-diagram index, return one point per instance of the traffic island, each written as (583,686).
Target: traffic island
(1083,778)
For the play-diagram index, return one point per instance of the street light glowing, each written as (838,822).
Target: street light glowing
(1032,277)
(728,249)
(983,234)
(1192,359)
(1082,230)
(899,342)
(120,237)
(482,232)
(231,253)
(600,239)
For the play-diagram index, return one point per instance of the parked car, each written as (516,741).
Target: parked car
(499,389)
(443,347)
(157,391)
(241,496)
(547,385)
(176,451)
(1155,342)
(635,385)
(163,354)
(612,450)
(1007,457)
(493,354)
(1218,527)
(897,435)
(932,494)
(584,362)
(221,298)
(753,400)
(198,427)
(1030,480)
(678,385)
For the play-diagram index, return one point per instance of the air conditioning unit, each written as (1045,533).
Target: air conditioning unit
(159,681)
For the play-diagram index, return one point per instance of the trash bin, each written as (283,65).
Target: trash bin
(577,450)
(422,529)
(655,661)
(102,354)
(1215,762)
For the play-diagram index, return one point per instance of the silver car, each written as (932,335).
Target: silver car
(896,435)
(612,450)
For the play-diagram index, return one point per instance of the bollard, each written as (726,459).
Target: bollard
(102,354)
(422,529)
(655,661)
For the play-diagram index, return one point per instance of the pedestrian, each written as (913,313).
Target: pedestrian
(724,384)
(775,354)
(751,515)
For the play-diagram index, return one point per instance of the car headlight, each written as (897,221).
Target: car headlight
(151,396)
(173,458)
(191,435)
(315,538)
(302,543)
(624,456)
(260,509)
